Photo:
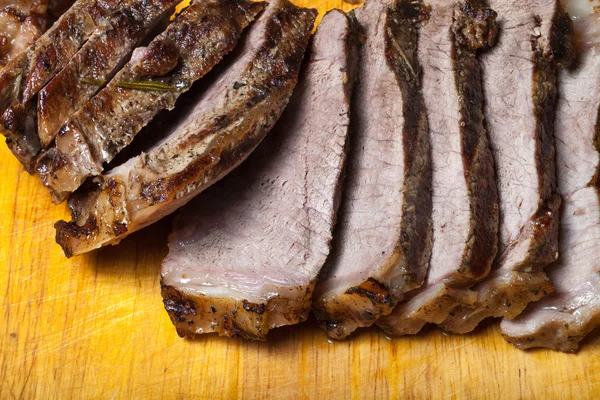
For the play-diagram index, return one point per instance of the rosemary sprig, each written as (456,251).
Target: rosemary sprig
(145,85)
(92,81)
(137,85)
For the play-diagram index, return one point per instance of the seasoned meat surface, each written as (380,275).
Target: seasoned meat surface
(192,45)
(535,40)
(465,203)
(562,319)
(251,246)
(21,23)
(27,73)
(219,132)
(382,243)
(95,63)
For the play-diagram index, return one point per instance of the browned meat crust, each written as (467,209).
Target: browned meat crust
(229,317)
(473,27)
(287,193)
(21,23)
(203,149)
(343,308)
(518,277)
(196,41)
(96,62)
(25,75)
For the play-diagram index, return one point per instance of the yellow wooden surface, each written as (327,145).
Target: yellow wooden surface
(94,327)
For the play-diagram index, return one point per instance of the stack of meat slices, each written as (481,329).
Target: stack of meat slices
(457,138)
(245,255)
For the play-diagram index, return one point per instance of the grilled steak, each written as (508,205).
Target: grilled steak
(187,50)
(245,254)
(25,75)
(21,23)
(103,54)
(382,243)
(465,208)
(220,131)
(560,320)
(97,61)
(536,38)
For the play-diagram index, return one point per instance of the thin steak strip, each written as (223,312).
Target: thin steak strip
(190,47)
(561,320)
(383,239)
(25,75)
(221,130)
(244,256)
(520,85)
(95,63)
(465,203)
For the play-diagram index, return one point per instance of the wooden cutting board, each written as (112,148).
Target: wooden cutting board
(94,327)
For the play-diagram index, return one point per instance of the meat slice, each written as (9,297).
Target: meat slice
(190,47)
(219,132)
(383,239)
(26,74)
(21,23)
(244,256)
(97,61)
(465,203)
(561,320)
(520,87)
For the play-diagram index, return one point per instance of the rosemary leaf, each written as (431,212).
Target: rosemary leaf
(137,85)
(145,85)
(92,81)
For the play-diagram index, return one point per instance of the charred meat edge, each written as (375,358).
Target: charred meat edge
(361,305)
(99,58)
(473,28)
(229,317)
(29,22)
(241,318)
(25,75)
(102,212)
(194,54)
(510,288)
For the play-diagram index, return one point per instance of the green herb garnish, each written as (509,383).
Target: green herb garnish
(145,85)
(137,85)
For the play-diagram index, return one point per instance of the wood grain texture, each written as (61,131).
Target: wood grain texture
(94,327)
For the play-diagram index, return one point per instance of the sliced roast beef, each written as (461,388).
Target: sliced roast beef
(535,39)
(189,48)
(383,240)
(465,204)
(102,55)
(26,74)
(218,133)
(21,23)
(562,319)
(245,255)
(97,61)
